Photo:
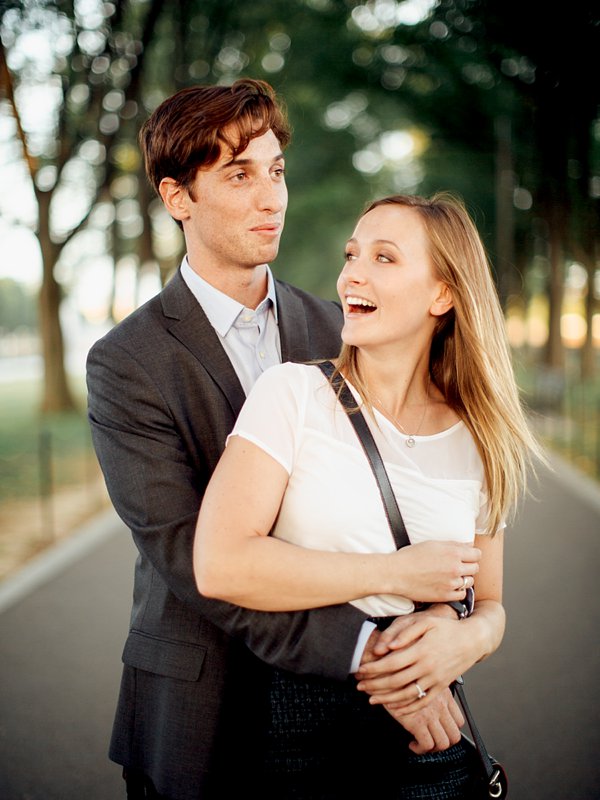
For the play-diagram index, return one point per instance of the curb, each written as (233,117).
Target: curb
(57,558)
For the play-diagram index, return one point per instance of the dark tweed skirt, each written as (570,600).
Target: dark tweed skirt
(325,742)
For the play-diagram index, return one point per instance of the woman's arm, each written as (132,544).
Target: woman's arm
(236,560)
(432,648)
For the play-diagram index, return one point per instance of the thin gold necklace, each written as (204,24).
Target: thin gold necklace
(410,441)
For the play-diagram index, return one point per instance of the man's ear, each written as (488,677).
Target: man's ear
(443,302)
(176,198)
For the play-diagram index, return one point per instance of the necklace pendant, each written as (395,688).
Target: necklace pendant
(410,442)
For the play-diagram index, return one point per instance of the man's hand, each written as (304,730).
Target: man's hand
(427,648)
(435,727)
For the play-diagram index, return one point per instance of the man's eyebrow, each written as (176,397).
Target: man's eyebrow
(244,162)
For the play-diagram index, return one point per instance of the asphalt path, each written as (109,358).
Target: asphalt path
(63,621)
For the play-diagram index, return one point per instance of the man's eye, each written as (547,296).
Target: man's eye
(239,177)
(279,172)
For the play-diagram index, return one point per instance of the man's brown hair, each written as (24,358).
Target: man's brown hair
(187,130)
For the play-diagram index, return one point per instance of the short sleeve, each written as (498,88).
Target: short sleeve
(271,417)
(484,514)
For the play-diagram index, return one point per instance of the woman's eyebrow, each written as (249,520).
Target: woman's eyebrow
(376,242)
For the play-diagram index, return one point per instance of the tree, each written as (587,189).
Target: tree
(95,77)
(518,72)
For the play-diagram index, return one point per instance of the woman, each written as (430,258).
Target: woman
(425,355)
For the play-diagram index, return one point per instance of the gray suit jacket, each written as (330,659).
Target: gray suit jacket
(163,397)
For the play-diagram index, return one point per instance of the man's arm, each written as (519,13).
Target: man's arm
(157,490)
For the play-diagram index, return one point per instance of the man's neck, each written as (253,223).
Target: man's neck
(246,285)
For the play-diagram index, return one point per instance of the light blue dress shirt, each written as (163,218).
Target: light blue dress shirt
(250,336)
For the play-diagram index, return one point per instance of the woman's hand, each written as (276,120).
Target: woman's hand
(427,652)
(435,571)
(436,727)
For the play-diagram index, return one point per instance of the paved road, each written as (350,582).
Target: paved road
(536,700)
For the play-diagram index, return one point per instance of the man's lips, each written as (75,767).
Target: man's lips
(269,229)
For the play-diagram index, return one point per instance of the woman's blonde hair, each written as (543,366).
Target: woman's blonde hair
(470,359)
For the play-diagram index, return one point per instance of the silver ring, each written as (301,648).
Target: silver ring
(464,585)
(421,692)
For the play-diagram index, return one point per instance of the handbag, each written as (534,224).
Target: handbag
(489,780)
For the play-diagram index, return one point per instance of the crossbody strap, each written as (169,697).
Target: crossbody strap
(398,529)
(365,437)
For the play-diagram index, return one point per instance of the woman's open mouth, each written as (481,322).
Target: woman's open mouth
(358,305)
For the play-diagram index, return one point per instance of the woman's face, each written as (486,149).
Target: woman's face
(388,288)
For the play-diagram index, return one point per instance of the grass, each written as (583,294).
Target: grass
(39,453)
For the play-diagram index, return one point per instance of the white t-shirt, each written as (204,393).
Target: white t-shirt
(332,501)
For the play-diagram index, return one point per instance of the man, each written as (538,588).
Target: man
(165,387)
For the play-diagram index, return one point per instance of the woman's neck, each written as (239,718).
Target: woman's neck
(396,384)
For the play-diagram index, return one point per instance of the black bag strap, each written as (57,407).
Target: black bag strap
(496,777)
(492,770)
(365,437)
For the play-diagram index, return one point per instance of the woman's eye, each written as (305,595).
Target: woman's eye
(349,256)
(383,258)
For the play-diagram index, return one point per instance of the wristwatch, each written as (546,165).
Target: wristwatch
(464,608)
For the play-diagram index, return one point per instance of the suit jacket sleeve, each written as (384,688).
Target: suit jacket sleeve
(157,489)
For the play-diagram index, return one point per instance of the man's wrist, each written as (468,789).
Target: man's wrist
(363,652)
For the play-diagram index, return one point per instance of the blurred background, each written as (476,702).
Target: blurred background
(495,100)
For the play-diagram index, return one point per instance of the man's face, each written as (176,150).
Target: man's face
(236,217)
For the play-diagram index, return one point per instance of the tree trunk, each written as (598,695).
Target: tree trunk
(505,223)
(554,349)
(588,352)
(57,395)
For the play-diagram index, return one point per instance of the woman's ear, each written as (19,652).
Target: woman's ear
(175,197)
(443,302)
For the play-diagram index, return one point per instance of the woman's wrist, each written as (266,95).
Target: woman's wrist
(486,627)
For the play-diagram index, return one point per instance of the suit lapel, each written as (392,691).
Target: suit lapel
(293,326)
(189,324)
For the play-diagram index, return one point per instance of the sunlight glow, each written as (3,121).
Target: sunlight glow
(377,16)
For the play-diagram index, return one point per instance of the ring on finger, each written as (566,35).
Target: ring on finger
(421,692)
(463,585)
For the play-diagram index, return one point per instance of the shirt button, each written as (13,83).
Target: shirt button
(247,319)
(262,354)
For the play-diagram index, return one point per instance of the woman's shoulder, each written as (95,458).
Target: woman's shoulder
(289,370)
(289,377)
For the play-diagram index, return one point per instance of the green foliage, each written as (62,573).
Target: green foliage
(350,72)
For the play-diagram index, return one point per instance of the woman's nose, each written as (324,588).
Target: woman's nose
(352,271)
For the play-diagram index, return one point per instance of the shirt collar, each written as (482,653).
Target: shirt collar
(222,310)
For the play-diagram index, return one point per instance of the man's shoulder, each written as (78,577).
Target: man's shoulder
(153,317)
(311,301)
(134,326)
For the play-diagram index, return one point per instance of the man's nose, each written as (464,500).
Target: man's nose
(271,195)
